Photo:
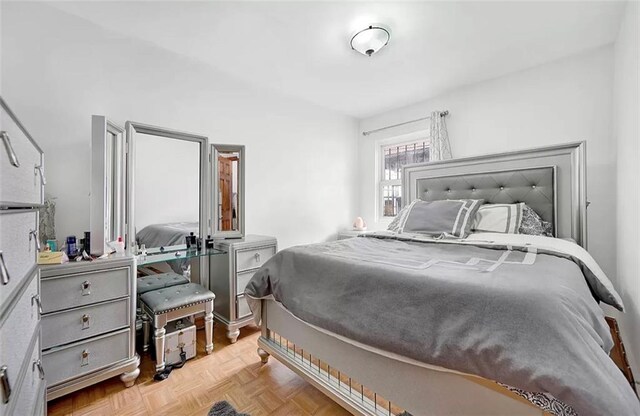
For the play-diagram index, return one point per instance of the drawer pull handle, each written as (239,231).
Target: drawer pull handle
(36,299)
(7,144)
(3,270)
(86,288)
(85,358)
(6,387)
(86,324)
(38,364)
(257,256)
(39,170)
(34,234)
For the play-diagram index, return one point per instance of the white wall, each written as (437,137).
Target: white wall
(167,180)
(627,134)
(564,101)
(58,70)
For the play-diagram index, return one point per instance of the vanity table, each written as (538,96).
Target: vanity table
(88,323)
(229,275)
(168,299)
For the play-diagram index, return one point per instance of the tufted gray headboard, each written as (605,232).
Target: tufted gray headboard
(535,187)
(550,180)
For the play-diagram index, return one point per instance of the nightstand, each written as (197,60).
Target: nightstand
(230,273)
(347,233)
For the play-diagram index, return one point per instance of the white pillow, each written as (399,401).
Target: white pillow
(499,218)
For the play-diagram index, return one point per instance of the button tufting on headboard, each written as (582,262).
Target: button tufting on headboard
(534,186)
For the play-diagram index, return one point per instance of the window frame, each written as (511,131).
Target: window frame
(380,181)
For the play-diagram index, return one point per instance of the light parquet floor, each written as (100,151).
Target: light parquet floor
(233,373)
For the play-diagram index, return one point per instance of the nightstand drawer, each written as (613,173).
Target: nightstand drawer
(80,323)
(242,307)
(85,356)
(242,280)
(83,289)
(253,258)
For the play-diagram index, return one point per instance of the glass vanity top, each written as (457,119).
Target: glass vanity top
(173,253)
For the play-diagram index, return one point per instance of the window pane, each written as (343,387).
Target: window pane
(392,198)
(394,157)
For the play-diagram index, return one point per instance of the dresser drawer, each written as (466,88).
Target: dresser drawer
(83,357)
(81,289)
(242,280)
(18,331)
(75,324)
(20,184)
(242,307)
(28,397)
(18,248)
(253,258)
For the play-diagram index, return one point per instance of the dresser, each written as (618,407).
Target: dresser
(229,275)
(88,323)
(22,383)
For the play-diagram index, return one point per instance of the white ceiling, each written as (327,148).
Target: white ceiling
(301,49)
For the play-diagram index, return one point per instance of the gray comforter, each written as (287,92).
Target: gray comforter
(525,319)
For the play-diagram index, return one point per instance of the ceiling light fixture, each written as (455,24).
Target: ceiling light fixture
(370,40)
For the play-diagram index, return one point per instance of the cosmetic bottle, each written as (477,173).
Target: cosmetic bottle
(119,246)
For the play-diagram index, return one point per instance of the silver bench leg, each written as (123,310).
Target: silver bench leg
(208,326)
(159,322)
(145,332)
(158,338)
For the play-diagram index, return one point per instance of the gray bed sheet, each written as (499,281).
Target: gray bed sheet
(534,325)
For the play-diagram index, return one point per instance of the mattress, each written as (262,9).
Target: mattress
(521,310)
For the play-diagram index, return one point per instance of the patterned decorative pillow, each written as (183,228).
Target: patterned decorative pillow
(450,218)
(398,220)
(499,218)
(533,224)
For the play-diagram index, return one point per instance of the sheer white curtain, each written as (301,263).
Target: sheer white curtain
(440,149)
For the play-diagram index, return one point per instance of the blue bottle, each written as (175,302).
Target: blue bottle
(72,249)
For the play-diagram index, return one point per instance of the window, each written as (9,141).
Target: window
(394,157)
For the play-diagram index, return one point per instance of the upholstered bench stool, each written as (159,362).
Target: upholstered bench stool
(177,302)
(147,284)
(159,281)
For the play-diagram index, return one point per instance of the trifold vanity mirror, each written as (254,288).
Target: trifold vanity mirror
(167,186)
(107,208)
(155,186)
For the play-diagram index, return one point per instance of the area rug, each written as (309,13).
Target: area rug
(223,408)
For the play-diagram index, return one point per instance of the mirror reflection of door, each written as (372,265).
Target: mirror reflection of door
(228,191)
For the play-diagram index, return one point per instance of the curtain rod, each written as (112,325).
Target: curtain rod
(366,133)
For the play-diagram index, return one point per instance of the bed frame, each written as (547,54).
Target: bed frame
(366,381)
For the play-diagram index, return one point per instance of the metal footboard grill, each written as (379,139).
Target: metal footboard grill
(330,380)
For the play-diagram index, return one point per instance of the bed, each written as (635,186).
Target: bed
(391,323)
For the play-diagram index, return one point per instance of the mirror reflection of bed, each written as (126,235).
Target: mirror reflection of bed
(166,195)
(228,191)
